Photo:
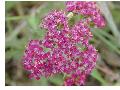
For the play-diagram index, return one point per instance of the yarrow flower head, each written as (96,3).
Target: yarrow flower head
(87,8)
(65,49)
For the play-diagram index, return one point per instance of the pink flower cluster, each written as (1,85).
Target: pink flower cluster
(87,8)
(64,49)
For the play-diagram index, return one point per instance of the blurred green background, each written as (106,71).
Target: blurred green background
(22,21)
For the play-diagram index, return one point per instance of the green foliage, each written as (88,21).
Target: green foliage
(97,76)
(57,80)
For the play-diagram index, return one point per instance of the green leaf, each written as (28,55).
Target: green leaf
(10,18)
(107,42)
(42,82)
(97,76)
(33,22)
(57,79)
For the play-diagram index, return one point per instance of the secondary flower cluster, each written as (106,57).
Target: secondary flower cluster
(86,8)
(64,49)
